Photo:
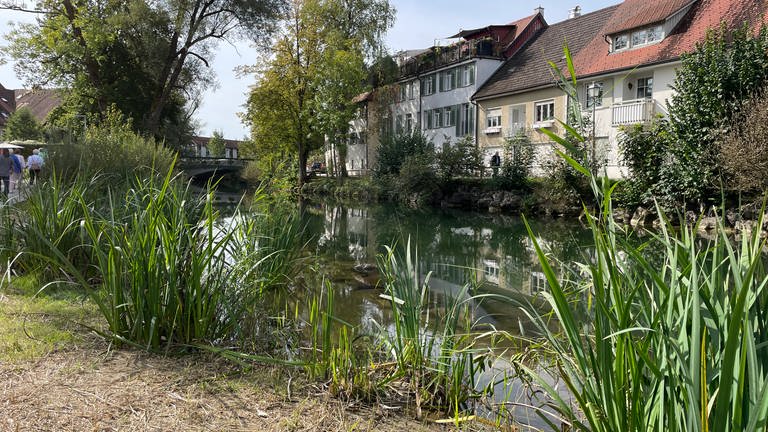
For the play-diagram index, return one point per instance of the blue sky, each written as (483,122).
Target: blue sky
(419,24)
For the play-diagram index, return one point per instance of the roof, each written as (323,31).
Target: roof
(638,13)
(203,142)
(595,59)
(529,68)
(40,102)
(468,33)
(363,97)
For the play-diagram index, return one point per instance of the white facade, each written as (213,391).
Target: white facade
(628,98)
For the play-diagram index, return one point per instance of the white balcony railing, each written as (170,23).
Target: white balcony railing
(632,112)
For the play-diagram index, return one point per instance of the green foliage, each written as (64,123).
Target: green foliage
(112,149)
(150,59)
(710,85)
(417,182)
(216,144)
(458,160)
(394,150)
(22,125)
(644,150)
(516,162)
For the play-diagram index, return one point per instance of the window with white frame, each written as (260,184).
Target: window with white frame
(620,42)
(638,38)
(403,92)
(411,87)
(493,118)
(437,118)
(594,94)
(466,75)
(428,84)
(466,120)
(399,124)
(449,116)
(448,80)
(428,119)
(544,111)
(409,122)
(645,88)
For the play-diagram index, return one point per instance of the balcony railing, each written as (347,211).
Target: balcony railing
(438,57)
(632,112)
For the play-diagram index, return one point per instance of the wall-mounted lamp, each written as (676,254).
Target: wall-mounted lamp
(629,86)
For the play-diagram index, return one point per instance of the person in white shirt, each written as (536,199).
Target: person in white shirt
(34,164)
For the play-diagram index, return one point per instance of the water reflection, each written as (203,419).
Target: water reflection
(493,252)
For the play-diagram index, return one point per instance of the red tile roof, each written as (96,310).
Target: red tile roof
(529,68)
(595,59)
(638,13)
(40,102)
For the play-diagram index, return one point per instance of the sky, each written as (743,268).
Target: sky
(419,24)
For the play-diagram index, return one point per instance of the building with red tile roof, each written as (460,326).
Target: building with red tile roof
(40,103)
(627,60)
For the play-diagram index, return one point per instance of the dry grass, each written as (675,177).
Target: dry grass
(55,376)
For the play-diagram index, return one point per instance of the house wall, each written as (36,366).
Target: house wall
(621,90)
(494,142)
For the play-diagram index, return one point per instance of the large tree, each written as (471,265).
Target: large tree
(304,93)
(22,125)
(150,59)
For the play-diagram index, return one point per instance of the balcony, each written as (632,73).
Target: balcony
(438,57)
(632,112)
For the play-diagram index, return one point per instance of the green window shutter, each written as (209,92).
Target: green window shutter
(471,119)
(472,74)
(421,86)
(440,81)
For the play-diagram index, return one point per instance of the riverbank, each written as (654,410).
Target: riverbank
(58,375)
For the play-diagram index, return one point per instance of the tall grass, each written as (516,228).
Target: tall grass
(675,344)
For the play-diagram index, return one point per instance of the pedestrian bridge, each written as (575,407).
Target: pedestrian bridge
(198,166)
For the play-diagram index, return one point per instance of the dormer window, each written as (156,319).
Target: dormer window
(638,38)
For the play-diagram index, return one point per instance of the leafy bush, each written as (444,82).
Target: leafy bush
(462,159)
(417,182)
(22,125)
(744,153)
(516,163)
(710,85)
(112,149)
(394,149)
(644,151)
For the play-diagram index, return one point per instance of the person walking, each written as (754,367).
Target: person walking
(495,163)
(6,167)
(35,164)
(17,170)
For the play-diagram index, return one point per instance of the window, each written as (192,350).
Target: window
(620,42)
(428,119)
(428,85)
(646,36)
(403,92)
(493,118)
(644,88)
(466,75)
(411,89)
(409,123)
(399,124)
(466,121)
(448,80)
(449,116)
(597,99)
(516,119)
(545,111)
(437,118)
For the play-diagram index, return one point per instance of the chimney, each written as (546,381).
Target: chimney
(539,10)
(575,12)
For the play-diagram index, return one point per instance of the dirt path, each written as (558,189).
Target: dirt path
(92,390)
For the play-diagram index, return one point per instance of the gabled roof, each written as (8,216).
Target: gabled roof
(638,13)
(40,102)
(468,34)
(529,68)
(704,15)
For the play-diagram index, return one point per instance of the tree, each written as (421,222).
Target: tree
(710,86)
(150,59)
(305,91)
(216,144)
(22,125)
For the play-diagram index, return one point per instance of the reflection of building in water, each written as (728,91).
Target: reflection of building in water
(349,230)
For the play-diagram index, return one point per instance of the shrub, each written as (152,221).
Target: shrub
(417,182)
(112,149)
(462,159)
(395,149)
(516,163)
(644,151)
(744,153)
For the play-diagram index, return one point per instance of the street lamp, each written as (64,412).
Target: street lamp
(593,92)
